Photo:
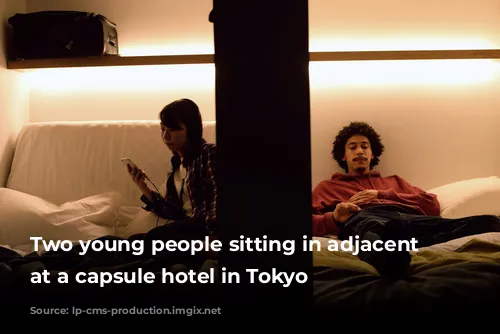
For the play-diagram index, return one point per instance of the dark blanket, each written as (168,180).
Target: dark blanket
(440,281)
(466,279)
(18,290)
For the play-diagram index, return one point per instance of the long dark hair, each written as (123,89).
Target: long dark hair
(184,112)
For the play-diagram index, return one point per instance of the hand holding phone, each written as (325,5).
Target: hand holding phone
(129,163)
(138,175)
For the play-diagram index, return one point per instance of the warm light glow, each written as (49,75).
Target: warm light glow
(123,78)
(107,122)
(322,74)
(171,49)
(328,44)
(104,122)
(403,43)
(402,72)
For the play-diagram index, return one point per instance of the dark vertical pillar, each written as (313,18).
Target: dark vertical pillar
(263,139)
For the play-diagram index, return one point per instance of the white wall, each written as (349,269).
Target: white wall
(438,120)
(144,27)
(400,24)
(433,134)
(14,95)
(149,26)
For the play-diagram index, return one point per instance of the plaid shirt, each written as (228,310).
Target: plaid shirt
(201,186)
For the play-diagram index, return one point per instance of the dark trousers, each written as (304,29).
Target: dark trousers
(372,225)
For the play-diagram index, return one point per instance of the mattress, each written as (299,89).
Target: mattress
(458,275)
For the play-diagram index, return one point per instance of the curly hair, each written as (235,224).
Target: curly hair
(357,128)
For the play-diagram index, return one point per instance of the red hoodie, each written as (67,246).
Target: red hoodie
(392,190)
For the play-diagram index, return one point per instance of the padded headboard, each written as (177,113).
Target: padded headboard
(66,161)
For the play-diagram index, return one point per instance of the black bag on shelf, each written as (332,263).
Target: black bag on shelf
(62,34)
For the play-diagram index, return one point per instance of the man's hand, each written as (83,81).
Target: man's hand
(343,211)
(363,196)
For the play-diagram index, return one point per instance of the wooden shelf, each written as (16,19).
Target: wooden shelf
(110,61)
(405,55)
(209,58)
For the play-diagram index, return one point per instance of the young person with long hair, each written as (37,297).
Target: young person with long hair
(190,201)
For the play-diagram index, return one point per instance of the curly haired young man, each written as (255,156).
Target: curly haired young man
(382,210)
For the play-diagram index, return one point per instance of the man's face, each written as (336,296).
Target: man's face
(358,155)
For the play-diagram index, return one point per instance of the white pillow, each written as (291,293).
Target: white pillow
(479,196)
(24,216)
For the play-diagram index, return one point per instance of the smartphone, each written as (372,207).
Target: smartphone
(127,161)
